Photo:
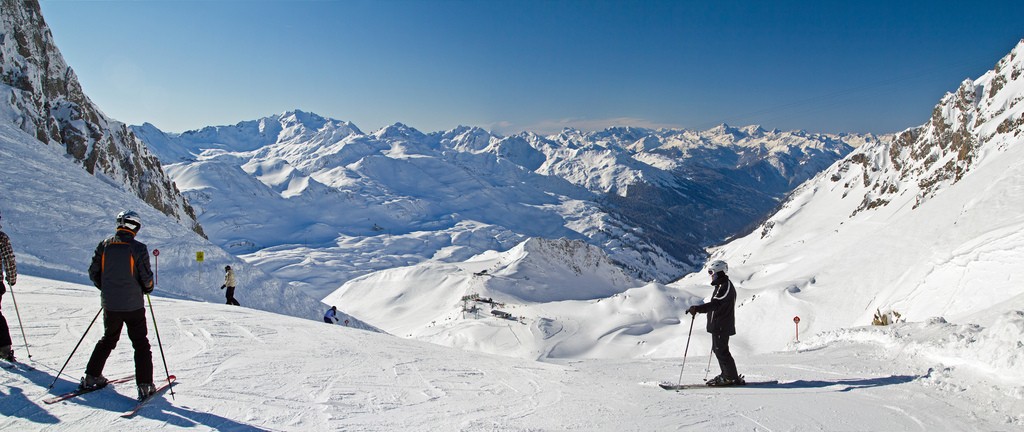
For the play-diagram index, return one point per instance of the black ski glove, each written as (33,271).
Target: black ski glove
(222,286)
(692,310)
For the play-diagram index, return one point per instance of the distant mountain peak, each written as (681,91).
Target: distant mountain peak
(398,130)
(982,115)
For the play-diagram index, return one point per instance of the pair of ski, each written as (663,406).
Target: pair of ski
(678,387)
(127,414)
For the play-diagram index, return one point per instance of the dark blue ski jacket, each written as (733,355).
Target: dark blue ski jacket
(120,269)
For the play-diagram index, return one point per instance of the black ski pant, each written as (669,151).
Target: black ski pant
(5,332)
(113,321)
(231,296)
(720,346)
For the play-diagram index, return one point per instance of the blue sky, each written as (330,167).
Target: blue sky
(508,66)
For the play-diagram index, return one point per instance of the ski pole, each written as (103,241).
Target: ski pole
(707,371)
(680,382)
(160,344)
(18,313)
(76,347)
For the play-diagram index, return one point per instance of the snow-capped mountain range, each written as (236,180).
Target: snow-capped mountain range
(56,213)
(926,228)
(66,171)
(926,224)
(296,191)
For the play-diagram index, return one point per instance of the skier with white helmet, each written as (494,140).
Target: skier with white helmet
(721,323)
(120,270)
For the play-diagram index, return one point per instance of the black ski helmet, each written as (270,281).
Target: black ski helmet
(227,267)
(130,220)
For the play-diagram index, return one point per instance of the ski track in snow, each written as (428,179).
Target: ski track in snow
(242,370)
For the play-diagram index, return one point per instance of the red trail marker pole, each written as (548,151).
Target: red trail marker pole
(156,267)
(796,320)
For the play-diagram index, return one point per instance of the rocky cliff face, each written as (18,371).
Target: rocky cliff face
(983,115)
(46,101)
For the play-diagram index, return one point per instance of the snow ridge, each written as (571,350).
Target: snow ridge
(925,225)
(984,116)
(43,98)
(643,196)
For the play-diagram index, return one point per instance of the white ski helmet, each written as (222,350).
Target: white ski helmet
(718,266)
(130,220)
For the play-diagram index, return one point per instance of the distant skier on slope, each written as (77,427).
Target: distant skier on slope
(120,270)
(331,316)
(721,323)
(10,269)
(229,283)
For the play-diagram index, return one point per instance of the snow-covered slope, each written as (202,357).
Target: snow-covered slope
(56,214)
(43,98)
(829,256)
(240,370)
(537,283)
(296,190)
(929,225)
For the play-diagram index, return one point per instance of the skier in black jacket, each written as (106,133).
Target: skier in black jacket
(721,323)
(120,270)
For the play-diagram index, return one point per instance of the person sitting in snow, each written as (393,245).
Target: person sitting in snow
(721,323)
(331,316)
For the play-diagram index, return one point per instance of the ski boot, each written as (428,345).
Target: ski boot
(6,353)
(146,390)
(90,382)
(721,381)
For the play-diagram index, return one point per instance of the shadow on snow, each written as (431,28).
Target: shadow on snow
(16,404)
(849,384)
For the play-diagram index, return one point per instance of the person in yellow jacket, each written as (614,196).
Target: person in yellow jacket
(229,283)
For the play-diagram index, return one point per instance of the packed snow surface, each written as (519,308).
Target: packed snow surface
(240,369)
